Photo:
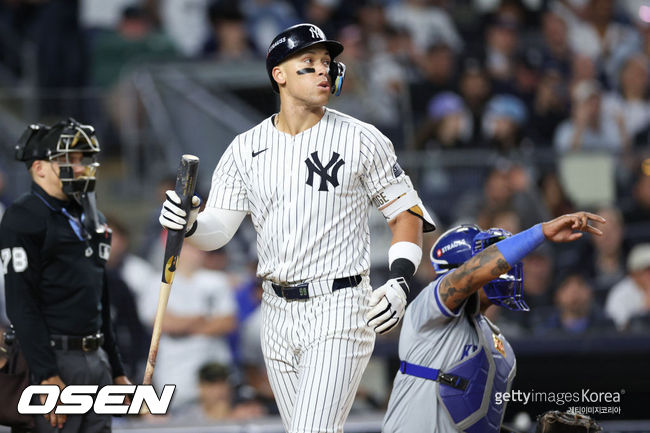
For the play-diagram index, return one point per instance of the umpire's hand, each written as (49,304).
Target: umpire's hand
(387,305)
(173,217)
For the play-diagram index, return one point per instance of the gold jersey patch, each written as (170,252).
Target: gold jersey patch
(498,345)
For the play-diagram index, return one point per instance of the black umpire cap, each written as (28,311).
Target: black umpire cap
(294,39)
(43,142)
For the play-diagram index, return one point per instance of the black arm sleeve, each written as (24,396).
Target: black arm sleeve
(21,237)
(110,343)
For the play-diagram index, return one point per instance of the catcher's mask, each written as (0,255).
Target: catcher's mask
(63,143)
(453,247)
(297,38)
(508,289)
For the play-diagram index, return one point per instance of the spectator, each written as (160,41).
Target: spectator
(540,269)
(228,38)
(436,68)
(134,41)
(631,296)
(589,127)
(127,279)
(57,56)
(448,125)
(608,259)
(598,33)
(474,87)
(636,210)
(504,187)
(218,399)
(500,49)
(554,197)
(527,75)
(200,312)
(322,13)
(371,18)
(267,18)
(556,51)
(631,104)
(583,68)
(503,124)
(549,108)
(152,245)
(575,311)
(504,217)
(186,23)
(374,84)
(429,25)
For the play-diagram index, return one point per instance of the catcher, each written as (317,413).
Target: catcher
(453,359)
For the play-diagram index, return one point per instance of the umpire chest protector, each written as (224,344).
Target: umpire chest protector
(488,370)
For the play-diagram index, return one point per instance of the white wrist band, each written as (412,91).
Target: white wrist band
(406,250)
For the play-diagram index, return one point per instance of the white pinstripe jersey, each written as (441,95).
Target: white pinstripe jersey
(308,194)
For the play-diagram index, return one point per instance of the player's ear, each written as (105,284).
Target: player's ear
(279,75)
(36,170)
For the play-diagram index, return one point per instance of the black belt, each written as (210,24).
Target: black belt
(89,343)
(301,291)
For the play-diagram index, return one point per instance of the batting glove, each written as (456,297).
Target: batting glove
(172,216)
(387,305)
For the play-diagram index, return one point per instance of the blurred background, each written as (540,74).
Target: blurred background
(503,112)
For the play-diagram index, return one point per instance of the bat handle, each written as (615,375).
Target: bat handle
(163,297)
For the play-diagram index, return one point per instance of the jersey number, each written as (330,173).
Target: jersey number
(19,259)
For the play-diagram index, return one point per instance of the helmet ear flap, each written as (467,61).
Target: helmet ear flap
(337,74)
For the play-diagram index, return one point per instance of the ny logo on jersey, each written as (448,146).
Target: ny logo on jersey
(315,166)
(316,33)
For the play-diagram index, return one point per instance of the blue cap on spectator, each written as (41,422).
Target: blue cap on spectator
(507,106)
(444,104)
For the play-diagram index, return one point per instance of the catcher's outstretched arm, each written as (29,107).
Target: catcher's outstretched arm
(500,257)
(471,276)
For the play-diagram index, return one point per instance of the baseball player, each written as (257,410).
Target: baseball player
(54,245)
(307,176)
(453,360)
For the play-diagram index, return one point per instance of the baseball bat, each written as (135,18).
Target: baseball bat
(185,185)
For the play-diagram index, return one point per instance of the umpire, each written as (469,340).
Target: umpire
(54,246)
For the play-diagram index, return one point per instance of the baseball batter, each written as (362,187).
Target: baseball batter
(453,359)
(307,176)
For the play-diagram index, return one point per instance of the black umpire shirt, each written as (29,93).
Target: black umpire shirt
(55,281)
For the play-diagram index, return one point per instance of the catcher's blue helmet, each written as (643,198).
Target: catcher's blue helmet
(453,248)
(297,38)
(508,289)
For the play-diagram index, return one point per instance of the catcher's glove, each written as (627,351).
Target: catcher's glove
(555,421)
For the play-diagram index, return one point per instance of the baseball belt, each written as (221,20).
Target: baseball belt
(89,343)
(301,291)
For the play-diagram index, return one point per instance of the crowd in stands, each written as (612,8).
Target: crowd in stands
(557,92)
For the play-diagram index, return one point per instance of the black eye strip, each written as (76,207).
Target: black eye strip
(306,71)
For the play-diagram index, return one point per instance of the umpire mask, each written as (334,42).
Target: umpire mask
(71,145)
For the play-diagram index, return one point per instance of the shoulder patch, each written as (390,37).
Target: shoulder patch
(397,170)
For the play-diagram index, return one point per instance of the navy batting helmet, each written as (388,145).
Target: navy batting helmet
(297,38)
(508,289)
(453,248)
